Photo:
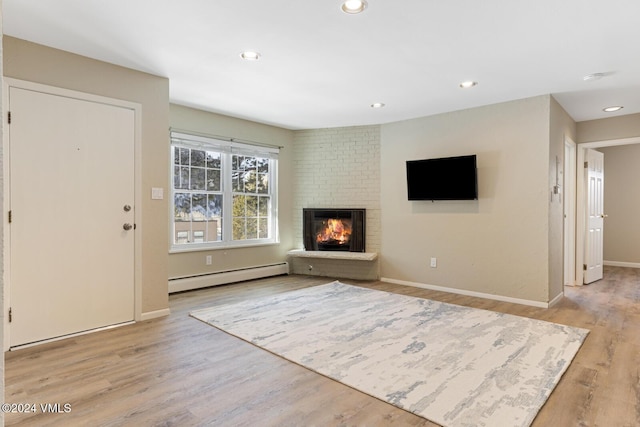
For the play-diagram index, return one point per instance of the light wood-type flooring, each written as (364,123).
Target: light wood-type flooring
(178,371)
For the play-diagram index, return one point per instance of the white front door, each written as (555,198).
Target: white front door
(71,193)
(594,239)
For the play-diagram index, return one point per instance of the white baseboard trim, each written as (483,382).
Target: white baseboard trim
(155,314)
(622,264)
(468,293)
(556,300)
(225,277)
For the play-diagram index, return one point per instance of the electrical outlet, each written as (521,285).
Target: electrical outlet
(208,260)
(434,262)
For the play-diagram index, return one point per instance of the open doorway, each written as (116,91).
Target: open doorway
(581,198)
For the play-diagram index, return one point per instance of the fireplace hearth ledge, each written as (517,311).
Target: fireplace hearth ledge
(355,256)
(335,264)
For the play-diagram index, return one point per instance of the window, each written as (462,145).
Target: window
(223,193)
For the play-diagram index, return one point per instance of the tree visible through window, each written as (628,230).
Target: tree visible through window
(251,198)
(222,195)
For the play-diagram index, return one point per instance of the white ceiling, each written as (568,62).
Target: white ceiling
(323,68)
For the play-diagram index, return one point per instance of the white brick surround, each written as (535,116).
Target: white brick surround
(338,168)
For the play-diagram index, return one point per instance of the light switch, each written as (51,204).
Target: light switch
(157,193)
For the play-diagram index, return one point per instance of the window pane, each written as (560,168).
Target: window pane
(252,228)
(176,177)
(263,228)
(182,207)
(239,232)
(181,156)
(263,206)
(199,207)
(214,160)
(252,206)
(239,208)
(263,183)
(214,217)
(198,158)
(214,206)
(197,179)
(263,165)
(183,178)
(250,182)
(213,180)
(238,183)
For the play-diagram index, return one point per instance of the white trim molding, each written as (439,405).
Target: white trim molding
(465,292)
(155,314)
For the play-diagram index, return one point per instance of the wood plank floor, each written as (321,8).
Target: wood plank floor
(177,371)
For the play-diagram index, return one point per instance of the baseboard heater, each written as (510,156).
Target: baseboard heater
(225,277)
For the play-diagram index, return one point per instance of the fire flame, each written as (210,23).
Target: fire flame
(336,231)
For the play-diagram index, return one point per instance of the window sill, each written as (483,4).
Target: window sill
(201,248)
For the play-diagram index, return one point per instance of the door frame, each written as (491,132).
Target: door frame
(137,164)
(581,197)
(569,212)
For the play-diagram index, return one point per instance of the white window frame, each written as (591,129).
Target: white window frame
(227,149)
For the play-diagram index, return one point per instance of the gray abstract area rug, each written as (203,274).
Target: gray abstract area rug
(453,365)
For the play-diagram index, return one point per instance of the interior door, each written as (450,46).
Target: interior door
(593,253)
(71,202)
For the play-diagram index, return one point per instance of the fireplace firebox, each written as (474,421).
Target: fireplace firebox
(333,229)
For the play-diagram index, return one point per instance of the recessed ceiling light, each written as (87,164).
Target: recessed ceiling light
(354,6)
(468,84)
(250,55)
(377,105)
(612,109)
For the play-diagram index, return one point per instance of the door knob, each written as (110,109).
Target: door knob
(127,226)
(604,216)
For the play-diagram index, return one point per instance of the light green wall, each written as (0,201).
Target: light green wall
(36,63)
(185,264)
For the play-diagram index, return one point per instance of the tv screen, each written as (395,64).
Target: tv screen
(449,178)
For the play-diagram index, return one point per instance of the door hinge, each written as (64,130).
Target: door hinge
(584,267)
(10,216)
(586,165)
(9,117)
(10,314)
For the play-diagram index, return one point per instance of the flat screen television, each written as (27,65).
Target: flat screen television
(448,178)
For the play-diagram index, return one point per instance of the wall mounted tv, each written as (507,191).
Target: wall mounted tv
(448,178)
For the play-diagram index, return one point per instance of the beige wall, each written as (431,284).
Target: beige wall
(36,63)
(497,245)
(185,264)
(561,126)
(606,129)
